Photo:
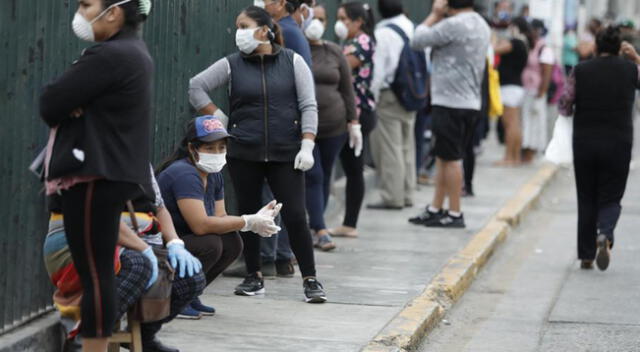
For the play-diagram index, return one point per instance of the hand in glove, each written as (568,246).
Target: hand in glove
(148,253)
(272,209)
(304,160)
(355,138)
(263,225)
(181,260)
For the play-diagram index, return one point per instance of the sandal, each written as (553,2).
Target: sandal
(324,243)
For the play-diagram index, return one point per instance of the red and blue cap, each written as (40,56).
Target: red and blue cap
(210,129)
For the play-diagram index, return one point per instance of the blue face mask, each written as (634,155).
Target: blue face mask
(504,16)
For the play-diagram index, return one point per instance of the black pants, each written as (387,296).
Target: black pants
(601,170)
(288,188)
(215,252)
(469,161)
(92,217)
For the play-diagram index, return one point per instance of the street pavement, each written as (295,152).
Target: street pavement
(532,296)
(368,280)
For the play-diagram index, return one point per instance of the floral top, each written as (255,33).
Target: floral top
(362,47)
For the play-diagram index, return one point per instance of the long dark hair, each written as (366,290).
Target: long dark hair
(132,16)
(262,18)
(357,10)
(182,150)
(525,28)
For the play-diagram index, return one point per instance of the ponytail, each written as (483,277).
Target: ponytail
(262,18)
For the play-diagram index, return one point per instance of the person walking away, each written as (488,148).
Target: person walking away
(98,152)
(336,115)
(513,59)
(536,79)
(460,43)
(356,23)
(393,142)
(274,119)
(600,94)
(193,188)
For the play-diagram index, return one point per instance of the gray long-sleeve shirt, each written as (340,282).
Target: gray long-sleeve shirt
(219,74)
(459,55)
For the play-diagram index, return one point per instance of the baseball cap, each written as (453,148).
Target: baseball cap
(210,129)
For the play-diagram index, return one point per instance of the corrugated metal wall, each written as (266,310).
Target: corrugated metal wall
(36,44)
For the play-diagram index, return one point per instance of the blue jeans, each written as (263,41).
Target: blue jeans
(276,247)
(318,179)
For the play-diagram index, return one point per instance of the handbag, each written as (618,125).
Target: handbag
(496,108)
(155,303)
(560,149)
(67,155)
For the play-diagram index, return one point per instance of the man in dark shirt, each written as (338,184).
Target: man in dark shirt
(281,11)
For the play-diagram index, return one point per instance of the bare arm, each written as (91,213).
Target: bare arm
(547,70)
(200,223)
(129,239)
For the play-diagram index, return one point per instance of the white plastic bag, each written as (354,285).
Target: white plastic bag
(560,149)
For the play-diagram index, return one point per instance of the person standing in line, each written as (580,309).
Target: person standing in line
(600,94)
(393,142)
(356,26)
(336,115)
(536,79)
(274,119)
(513,59)
(99,112)
(570,56)
(459,46)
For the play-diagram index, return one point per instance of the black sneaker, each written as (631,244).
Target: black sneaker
(251,286)
(447,221)
(313,291)
(603,254)
(426,216)
(285,269)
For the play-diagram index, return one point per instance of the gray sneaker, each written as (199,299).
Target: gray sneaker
(313,291)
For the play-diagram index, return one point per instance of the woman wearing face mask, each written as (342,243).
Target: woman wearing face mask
(192,187)
(274,119)
(336,111)
(355,27)
(97,155)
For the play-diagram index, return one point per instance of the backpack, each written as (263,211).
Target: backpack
(411,82)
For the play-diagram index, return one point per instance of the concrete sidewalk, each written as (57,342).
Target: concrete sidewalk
(533,297)
(368,280)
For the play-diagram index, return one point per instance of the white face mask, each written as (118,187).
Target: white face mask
(341,30)
(211,163)
(245,40)
(259,3)
(315,30)
(307,21)
(84,29)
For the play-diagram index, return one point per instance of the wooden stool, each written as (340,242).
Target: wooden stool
(133,337)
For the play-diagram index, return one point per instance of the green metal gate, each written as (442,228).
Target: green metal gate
(36,44)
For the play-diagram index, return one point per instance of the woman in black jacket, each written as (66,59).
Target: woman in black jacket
(600,95)
(99,113)
(274,121)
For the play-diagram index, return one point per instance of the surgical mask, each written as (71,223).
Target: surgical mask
(315,30)
(307,21)
(259,3)
(84,29)
(341,30)
(504,16)
(246,42)
(211,163)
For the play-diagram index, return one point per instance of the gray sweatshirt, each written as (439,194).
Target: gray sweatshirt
(459,55)
(219,74)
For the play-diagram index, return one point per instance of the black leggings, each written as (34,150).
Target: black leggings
(288,188)
(92,217)
(601,170)
(215,252)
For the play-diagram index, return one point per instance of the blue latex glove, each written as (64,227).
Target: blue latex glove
(181,260)
(148,253)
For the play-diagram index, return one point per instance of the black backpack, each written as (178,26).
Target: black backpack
(411,82)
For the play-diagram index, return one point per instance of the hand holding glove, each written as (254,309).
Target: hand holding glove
(304,160)
(355,138)
(181,260)
(148,253)
(263,225)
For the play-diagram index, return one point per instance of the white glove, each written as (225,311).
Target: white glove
(355,138)
(222,116)
(304,160)
(263,225)
(272,209)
